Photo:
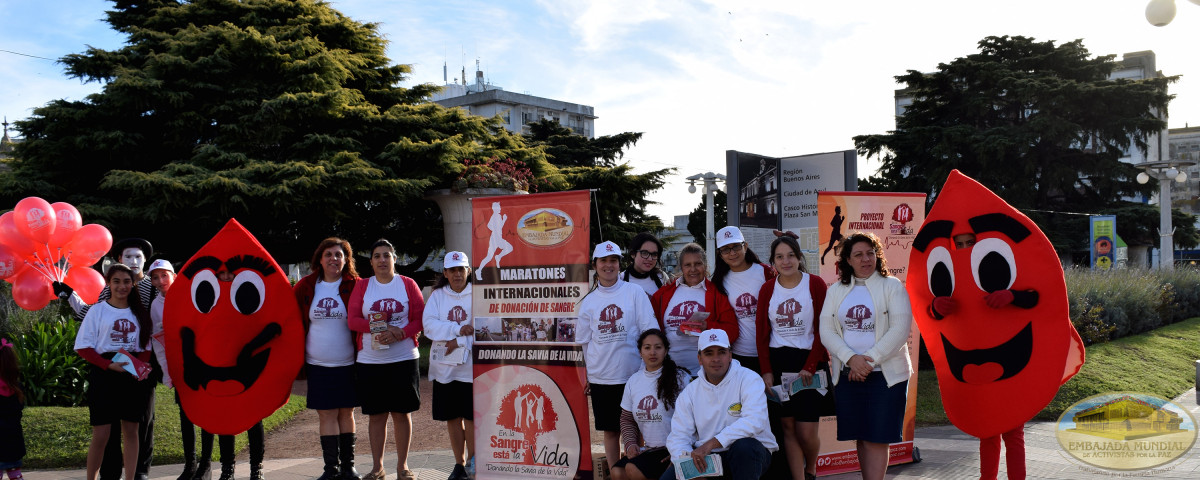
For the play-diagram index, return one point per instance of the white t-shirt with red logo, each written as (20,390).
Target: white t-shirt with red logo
(108,329)
(857,314)
(791,316)
(390,298)
(742,289)
(610,321)
(651,414)
(686,301)
(445,314)
(328,343)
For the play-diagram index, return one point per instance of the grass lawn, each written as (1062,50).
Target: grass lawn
(1159,362)
(58,437)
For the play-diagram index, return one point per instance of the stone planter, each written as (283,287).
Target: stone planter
(456,213)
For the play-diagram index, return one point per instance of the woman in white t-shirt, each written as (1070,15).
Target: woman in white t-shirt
(329,352)
(611,317)
(386,366)
(789,344)
(647,404)
(448,320)
(739,275)
(119,323)
(865,327)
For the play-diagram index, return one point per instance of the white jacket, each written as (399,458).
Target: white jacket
(610,321)
(734,409)
(438,327)
(893,323)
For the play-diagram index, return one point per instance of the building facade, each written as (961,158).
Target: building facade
(517,109)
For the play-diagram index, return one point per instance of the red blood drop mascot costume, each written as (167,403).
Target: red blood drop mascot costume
(994,317)
(234,337)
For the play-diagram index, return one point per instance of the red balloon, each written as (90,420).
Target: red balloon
(35,219)
(32,290)
(91,241)
(11,236)
(86,282)
(69,221)
(10,262)
(20,267)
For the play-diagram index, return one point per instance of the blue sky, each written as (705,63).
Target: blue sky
(698,77)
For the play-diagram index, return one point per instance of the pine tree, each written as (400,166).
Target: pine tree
(284,114)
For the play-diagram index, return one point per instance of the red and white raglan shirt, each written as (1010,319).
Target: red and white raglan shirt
(401,301)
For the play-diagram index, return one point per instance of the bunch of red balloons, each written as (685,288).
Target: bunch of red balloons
(42,243)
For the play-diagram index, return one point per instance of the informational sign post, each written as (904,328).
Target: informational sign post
(1103,241)
(531,259)
(768,194)
(895,219)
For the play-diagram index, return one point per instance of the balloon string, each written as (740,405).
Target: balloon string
(38,267)
(50,256)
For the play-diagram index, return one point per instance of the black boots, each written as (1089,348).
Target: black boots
(203,469)
(226,470)
(345,443)
(189,466)
(256,470)
(329,450)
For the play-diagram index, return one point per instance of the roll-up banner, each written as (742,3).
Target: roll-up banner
(895,219)
(531,259)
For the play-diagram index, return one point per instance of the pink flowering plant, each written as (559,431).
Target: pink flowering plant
(495,173)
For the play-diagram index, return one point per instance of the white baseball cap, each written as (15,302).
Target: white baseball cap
(713,337)
(728,235)
(163,264)
(606,249)
(455,259)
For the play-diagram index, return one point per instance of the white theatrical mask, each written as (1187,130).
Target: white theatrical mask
(133,258)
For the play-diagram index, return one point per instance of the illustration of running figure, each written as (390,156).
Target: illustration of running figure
(496,225)
(835,237)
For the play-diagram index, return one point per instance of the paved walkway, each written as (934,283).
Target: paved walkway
(946,453)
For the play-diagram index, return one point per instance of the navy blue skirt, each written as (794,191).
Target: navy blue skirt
(331,388)
(870,410)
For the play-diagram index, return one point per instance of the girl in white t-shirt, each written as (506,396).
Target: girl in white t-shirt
(739,275)
(119,323)
(448,318)
(646,409)
(611,317)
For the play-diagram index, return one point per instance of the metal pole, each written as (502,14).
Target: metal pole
(1166,257)
(709,235)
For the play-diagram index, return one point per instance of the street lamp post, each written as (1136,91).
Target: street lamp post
(710,180)
(1165,172)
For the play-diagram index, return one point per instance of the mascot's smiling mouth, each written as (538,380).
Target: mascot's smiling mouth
(988,365)
(229,380)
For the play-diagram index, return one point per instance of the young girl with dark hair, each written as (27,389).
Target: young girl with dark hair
(646,409)
(611,317)
(739,275)
(121,322)
(12,400)
(448,319)
(645,266)
(789,343)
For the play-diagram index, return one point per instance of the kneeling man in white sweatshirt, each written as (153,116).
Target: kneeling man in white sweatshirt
(724,411)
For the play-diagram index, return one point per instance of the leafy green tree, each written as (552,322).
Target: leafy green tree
(697,222)
(283,114)
(621,196)
(1040,124)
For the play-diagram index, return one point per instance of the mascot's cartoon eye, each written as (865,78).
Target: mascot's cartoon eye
(247,292)
(940,269)
(993,265)
(205,291)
